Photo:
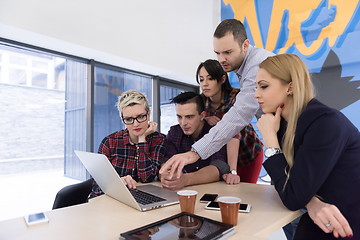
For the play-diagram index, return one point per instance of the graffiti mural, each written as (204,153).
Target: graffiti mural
(325,34)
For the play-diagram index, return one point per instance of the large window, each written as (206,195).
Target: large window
(33,100)
(38,90)
(53,104)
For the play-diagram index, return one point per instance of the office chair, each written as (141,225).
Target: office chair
(73,194)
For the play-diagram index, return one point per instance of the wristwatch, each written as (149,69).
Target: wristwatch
(233,172)
(269,152)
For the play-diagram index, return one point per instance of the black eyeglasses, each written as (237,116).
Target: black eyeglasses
(130,120)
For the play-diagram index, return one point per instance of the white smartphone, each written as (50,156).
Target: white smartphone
(244,207)
(36,218)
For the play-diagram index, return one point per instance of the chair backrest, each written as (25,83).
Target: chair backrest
(73,194)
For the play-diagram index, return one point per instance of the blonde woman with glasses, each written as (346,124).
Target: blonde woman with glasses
(136,151)
(313,151)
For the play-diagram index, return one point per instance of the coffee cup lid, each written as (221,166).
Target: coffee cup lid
(229,199)
(187,192)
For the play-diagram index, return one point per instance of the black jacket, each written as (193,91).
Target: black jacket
(326,163)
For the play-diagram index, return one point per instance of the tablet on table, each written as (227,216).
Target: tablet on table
(181,226)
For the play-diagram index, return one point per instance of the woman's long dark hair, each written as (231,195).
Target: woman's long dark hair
(215,70)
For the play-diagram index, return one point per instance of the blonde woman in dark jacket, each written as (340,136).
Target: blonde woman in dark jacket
(313,151)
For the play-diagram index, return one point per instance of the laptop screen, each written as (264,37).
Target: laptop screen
(180,226)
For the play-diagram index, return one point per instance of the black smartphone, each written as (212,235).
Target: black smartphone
(208,197)
(244,207)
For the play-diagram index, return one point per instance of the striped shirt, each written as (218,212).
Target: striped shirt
(244,109)
(141,161)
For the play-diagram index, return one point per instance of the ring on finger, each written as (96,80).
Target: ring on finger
(328,225)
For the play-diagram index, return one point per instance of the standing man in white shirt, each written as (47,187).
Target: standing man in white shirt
(235,53)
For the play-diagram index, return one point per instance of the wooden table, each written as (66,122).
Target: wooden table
(105,218)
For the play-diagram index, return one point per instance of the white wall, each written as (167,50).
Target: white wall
(168,38)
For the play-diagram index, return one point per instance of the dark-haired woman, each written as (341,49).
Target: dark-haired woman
(244,150)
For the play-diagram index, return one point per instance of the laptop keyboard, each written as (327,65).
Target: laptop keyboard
(144,197)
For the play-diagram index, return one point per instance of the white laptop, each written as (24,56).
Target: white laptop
(112,185)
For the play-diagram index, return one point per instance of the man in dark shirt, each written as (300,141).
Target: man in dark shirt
(192,126)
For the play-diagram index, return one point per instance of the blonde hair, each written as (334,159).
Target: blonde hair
(131,98)
(289,68)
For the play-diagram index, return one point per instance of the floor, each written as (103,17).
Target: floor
(25,193)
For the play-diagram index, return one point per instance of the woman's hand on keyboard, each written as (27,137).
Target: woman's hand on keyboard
(129,181)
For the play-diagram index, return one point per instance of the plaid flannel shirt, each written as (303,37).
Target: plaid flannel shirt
(141,161)
(250,144)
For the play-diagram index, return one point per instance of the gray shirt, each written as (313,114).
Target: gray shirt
(243,110)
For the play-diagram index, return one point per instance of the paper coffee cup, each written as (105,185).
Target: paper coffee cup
(229,207)
(187,200)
